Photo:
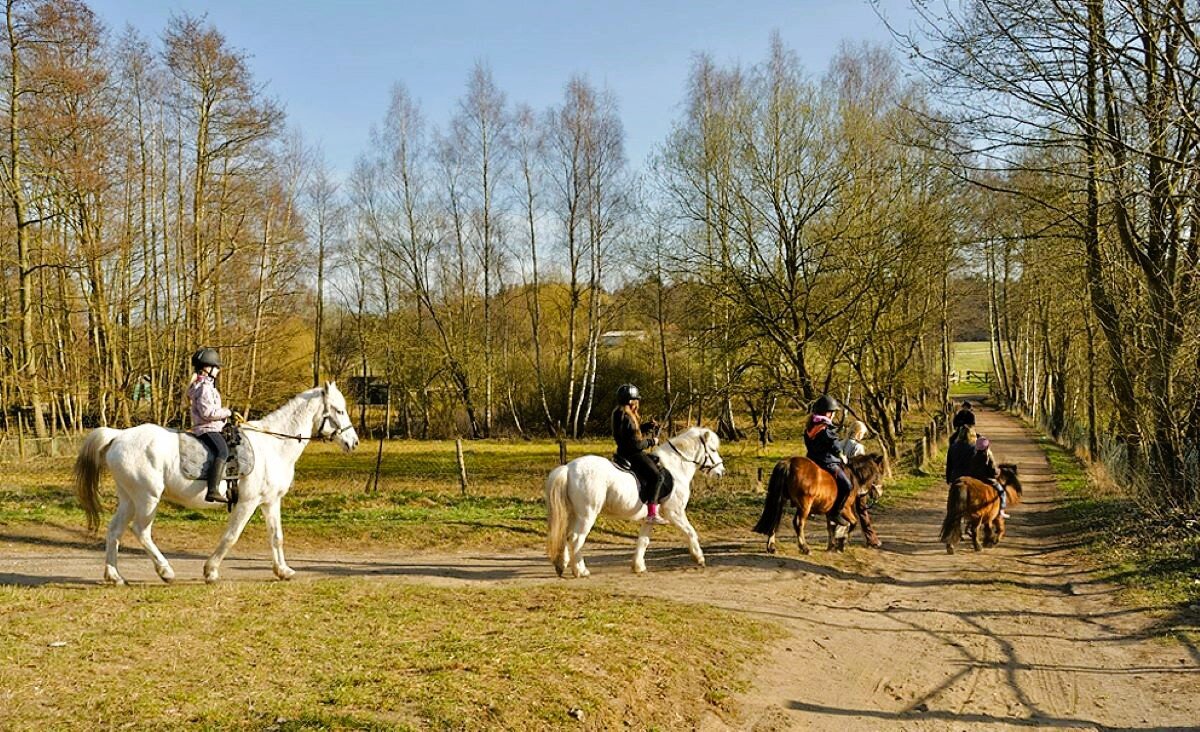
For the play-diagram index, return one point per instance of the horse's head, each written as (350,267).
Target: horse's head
(333,422)
(1008,476)
(868,473)
(701,447)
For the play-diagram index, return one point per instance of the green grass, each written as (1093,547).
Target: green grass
(362,655)
(969,356)
(1157,560)
(419,503)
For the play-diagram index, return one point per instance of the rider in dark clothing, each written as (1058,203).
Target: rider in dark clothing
(964,417)
(627,430)
(821,439)
(960,453)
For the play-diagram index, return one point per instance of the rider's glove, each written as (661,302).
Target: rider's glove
(237,418)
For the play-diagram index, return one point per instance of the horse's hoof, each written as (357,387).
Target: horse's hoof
(639,570)
(805,550)
(949,550)
(166,573)
(211,576)
(700,563)
(286,573)
(112,577)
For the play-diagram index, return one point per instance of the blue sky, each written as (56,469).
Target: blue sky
(332,62)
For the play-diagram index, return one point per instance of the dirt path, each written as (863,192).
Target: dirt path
(908,638)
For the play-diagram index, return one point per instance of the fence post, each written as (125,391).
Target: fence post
(21,436)
(462,465)
(760,476)
(562,450)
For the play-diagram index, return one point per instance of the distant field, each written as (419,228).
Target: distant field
(970,356)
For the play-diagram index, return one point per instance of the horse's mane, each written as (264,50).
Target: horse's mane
(1009,471)
(866,467)
(287,415)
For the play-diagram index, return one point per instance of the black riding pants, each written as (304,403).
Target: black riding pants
(648,474)
(844,487)
(216,471)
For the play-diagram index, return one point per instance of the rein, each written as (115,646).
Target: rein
(281,435)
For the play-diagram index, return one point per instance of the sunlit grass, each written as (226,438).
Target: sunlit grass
(364,655)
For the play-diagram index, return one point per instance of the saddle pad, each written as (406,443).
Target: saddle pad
(195,457)
(645,490)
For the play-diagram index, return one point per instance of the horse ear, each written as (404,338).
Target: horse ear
(325,388)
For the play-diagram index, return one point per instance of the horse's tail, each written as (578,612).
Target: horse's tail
(558,513)
(768,523)
(956,499)
(87,472)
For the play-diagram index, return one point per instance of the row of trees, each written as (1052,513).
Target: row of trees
(151,206)
(1083,128)
(794,235)
(503,270)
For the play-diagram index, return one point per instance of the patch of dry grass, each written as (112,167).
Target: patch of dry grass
(362,654)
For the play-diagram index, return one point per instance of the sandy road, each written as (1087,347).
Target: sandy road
(909,638)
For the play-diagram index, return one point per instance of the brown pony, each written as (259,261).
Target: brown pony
(812,489)
(978,504)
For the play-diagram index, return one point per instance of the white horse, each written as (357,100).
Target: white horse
(144,462)
(578,492)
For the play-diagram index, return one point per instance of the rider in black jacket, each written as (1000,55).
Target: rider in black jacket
(821,439)
(629,433)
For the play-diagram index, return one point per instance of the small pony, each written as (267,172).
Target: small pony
(810,489)
(978,504)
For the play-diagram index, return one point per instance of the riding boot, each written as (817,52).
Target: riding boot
(844,489)
(213,495)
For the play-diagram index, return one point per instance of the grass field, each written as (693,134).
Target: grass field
(969,356)
(419,502)
(353,654)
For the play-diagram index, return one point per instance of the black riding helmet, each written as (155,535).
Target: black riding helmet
(626,393)
(204,358)
(825,403)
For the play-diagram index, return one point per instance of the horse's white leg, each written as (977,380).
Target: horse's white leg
(680,519)
(270,511)
(639,551)
(143,519)
(233,529)
(112,540)
(580,528)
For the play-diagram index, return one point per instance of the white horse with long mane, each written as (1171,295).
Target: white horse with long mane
(145,464)
(578,492)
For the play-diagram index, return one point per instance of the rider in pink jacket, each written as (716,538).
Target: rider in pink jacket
(208,417)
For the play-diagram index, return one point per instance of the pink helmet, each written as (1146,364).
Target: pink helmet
(982,444)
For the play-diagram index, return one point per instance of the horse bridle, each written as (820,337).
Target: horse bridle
(703,460)
(327,418)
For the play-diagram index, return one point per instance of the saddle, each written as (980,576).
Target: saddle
(195,458)
(646,489)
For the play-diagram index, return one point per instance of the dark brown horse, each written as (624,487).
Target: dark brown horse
(978,505)
(812,489)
